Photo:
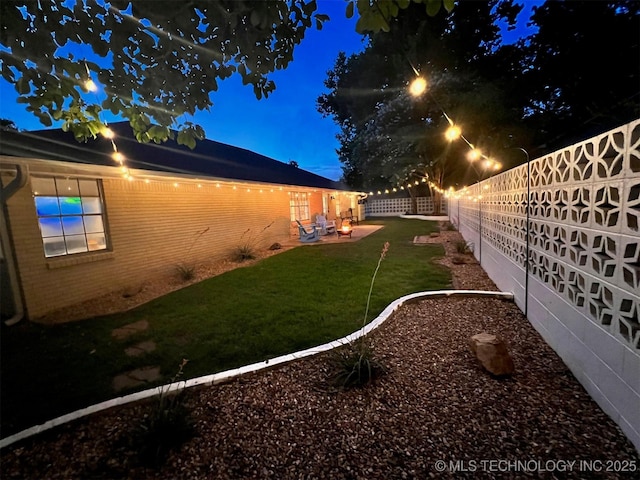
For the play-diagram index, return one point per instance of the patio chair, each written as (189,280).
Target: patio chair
(348,215)
(308,237)
(326,226)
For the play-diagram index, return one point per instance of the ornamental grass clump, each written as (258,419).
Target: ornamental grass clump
(167,426)
(356,365)
(248,247)
(186,269)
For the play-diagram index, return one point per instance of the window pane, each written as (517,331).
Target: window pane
(76,243)
(43,186)
(69,215)
(67,187)
(91,205)
(93,224)
(96,241)
(89,188)
(72,226)
(54,246)
(47,206)
(70,205)
(50,226)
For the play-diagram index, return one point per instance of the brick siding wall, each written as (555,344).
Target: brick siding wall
(151,228)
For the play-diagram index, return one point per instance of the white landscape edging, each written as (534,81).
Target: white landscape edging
(254,367)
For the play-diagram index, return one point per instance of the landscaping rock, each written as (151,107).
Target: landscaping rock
(492,353)
(275,246)
(132,291)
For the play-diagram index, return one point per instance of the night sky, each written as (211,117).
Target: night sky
(286,126)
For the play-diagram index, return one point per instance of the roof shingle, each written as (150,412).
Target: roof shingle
(207,159)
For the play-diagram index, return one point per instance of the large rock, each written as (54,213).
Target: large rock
(492,353)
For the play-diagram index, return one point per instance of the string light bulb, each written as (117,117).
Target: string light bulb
(453,133)
(474,154)
(90,85)
(418,87)
(107,133)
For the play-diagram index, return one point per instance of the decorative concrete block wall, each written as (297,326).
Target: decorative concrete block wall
(383,207)
(572,259)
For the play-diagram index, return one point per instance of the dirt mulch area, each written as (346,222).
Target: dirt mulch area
(435,404)
(130,297)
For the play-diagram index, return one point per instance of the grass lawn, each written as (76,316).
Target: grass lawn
(291,301)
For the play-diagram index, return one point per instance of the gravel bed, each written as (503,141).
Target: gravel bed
(434,403)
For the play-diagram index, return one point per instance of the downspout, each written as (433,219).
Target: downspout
(20,180)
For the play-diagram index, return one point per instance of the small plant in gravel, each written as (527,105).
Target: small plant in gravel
(167,426)
(450,227)
(356,365)
(248,247)
(463,247)
(186,269)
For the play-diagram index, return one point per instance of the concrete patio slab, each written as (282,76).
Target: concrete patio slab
(359,232)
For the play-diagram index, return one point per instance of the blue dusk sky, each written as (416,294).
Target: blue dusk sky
(286,126)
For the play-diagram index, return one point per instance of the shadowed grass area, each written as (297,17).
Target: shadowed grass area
(291,301)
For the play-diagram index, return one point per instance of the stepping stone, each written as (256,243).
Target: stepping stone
(128,330)
(141,348)
(135,378)
(421,239)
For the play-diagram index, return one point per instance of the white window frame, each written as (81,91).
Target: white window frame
(71,233)
(299,206)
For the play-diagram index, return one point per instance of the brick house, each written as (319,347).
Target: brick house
(76,224)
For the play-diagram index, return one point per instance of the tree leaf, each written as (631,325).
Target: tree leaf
(350,9)
(186,138)
(22,86)
(158,134)
(433,7)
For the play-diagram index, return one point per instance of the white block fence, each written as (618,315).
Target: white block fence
(572,258)
(389,207)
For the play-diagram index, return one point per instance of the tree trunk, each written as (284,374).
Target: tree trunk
(414,203)
(437,202)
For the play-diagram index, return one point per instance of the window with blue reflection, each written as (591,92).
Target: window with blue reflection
(47,206)
(70,215)
(70,205)
(50,226)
